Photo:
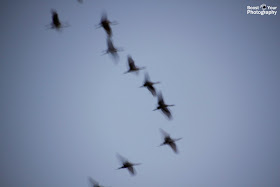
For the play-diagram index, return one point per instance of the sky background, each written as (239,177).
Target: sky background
(66,110)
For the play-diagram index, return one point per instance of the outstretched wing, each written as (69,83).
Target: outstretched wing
(93,182)
(166,112)
(177,139)
(131,170)
(147,77)
(164,134)
(173,147)
(152,90)
(121,158)
(104,17)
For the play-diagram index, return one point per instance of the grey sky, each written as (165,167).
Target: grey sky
(66,110)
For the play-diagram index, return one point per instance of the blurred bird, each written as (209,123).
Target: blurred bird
(111,49)
(56,23)
(169,141)
(132,67)
(163,107)
(94,183)
(127,164)
(105,24)
(55,20)
(149,84)
(80,1)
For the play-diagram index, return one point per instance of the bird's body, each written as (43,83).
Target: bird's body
(169,141)
(106,24)
(163,107)
(55,20)
(149,84)
(56,23)
(112,50)
(127,165)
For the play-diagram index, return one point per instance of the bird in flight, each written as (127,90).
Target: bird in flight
(163,107)
(169,141)
(128,165)
(94,183)
(132,67)
(56,23)
(106,24)
(149,84)
(111,49)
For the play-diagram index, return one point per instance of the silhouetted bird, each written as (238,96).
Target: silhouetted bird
(149,84)
(169,141)
(94,183)
(56,23)
(163,107)
(127,164)
(105,24)
(132,66)
(111,49)
(55,20)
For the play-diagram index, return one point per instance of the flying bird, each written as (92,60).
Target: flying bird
(94,183)
(111,49)
(163,107)
(56,23)
(169,141)
(105,24)
(132,66)
(149,84)
(128,165)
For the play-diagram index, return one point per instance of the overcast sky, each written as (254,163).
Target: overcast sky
(66,110)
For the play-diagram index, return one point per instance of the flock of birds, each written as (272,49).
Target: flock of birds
(132,68)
